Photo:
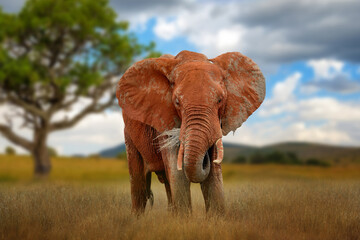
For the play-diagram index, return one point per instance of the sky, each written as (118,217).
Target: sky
(308,51)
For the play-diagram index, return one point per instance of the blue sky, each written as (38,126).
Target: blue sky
(309,52)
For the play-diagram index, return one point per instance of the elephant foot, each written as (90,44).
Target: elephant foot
(213,191)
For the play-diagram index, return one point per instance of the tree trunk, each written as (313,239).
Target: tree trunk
(42,164)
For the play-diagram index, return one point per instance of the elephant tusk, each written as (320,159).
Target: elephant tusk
(180,157)
(219,151)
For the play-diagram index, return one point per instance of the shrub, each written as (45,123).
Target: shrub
(10,151)
(317,162)
(94,156)
(293,158)
(52,152)
(122,156)
(240,159)
(257,158)
(276,157)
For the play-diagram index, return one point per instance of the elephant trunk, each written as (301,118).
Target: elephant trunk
(196,162)
(197,141)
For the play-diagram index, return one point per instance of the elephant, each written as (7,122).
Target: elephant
(176,110)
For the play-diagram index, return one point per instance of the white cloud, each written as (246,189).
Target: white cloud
(96,132)
(207,26)
(312,108)
(329,75)
(282,97)
(326,68)
(284,91)
(285,117)
(168,30)
(326,133)
(328,109)
(228,39)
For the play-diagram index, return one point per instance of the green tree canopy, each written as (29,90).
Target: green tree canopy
(53,54)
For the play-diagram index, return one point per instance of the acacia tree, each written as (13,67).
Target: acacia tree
(54,54)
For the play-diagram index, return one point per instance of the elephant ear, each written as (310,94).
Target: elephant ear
(245,87)
(144,93)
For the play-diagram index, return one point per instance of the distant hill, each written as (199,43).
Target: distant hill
(330,153)
(233,150)
(303,150)
(230,150)
(113,151)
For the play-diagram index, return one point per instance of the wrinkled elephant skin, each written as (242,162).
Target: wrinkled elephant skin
(176,110)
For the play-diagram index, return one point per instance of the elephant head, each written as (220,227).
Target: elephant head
(205,98)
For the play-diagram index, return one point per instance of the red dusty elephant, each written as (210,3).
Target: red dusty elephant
(176,110)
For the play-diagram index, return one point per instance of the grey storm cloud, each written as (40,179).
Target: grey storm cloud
(278,31)
(315,28)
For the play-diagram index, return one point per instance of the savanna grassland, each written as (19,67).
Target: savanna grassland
(90,199)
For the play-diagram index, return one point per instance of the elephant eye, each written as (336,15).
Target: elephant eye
(219,101)
(177,102)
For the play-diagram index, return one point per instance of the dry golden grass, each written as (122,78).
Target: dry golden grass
(90,199)
(260,210)
(20,168)
(286,172)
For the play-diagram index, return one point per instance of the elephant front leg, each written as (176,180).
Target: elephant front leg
(180,192)
(139,180)
(213,190)
(179,184)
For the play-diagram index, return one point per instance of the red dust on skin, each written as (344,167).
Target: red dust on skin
(205,98)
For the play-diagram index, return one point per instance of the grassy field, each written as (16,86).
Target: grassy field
(90,199)
(20,169)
